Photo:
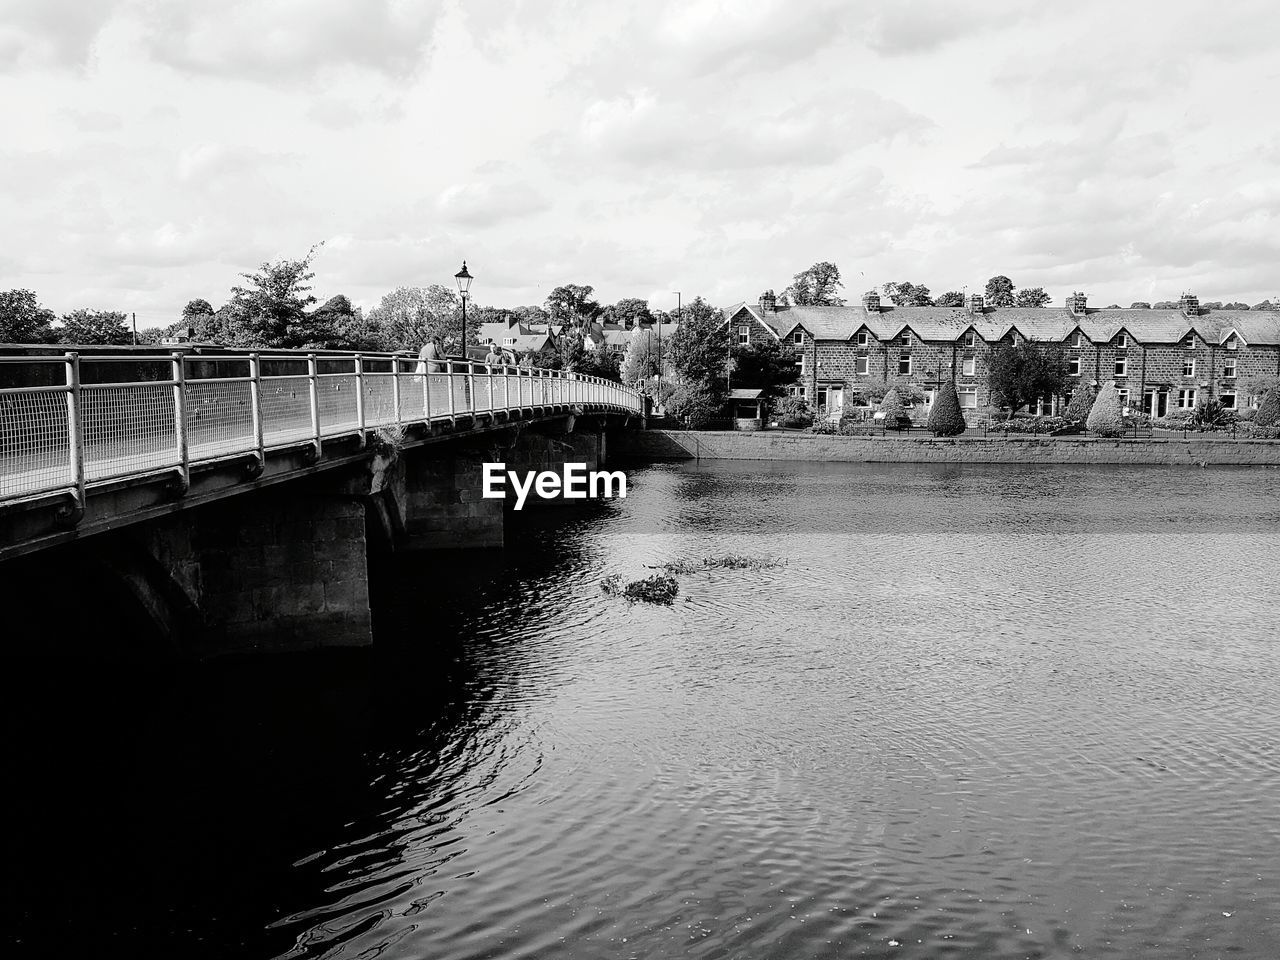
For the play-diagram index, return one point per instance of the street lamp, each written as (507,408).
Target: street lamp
(464,284)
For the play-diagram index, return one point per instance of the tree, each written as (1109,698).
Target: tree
(1164,305)
(999,292)
(1106,418)
(1236,305)
(572,303)
(1032,297)
(629,312)
(908,294)
(1112,306)
(23,320)
(197,311)
(816,286)
(1140,305)
(407,317)
(272,310)
(1265,305)
(95,327)
(699,349)
(1081,403)
(892,407)
(599,363)
(767,365)
(873,389)
(641,359)
(336,325)
(946,419)
(952,298)
(1268,413)
(1022,373)
(694,403)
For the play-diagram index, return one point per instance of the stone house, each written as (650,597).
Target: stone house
(1160,360)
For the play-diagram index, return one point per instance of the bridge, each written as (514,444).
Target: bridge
(236,495)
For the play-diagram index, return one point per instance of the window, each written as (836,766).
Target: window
(906,338)
(860,366)
(797,337)
(1073,366)
(1188,367)
(1228,400)
(1123,394)
(822,396)
(862,338)
(968,366)
(744,336)
(970,339)
(1186,399)
(1077,340)
(928,397)
(1122,367)
(904,366)
(1122,342)
(1191,343)
(1229,368)
(1233,343)
(968,398)
(508,341)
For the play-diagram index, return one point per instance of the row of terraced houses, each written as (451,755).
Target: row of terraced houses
(1160,360)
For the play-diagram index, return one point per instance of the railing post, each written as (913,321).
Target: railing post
(314,390)
(453,403)
(471,388)
(180,422)
(255,406)
(395,387)
(360,398)
(75,436)
(490,378)
(426,392)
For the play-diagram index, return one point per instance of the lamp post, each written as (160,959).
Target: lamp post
(464,284)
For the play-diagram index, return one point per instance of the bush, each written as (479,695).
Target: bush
(945,417)
(1268,414)
(1081,403)
(1033,425)
(694,404)
(792,412)
(1211,415)
(1106,418)
(1255,432)
(891,406)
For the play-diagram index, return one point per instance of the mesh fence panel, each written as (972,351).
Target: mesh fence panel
(35,453)
(286,409)
(379,399)
(219,418)
(337,402)
(127,429)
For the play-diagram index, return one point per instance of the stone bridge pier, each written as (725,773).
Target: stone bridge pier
(287,567)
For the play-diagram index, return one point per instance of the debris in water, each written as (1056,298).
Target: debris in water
(728,562)
(659,588)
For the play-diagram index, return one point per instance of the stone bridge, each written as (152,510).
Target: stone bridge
(236,497)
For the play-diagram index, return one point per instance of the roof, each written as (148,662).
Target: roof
(739,394)
(1044,324)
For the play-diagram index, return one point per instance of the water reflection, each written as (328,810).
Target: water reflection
(963,718)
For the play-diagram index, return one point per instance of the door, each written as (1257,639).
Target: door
(835,403)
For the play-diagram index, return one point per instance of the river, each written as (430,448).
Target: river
(979,711)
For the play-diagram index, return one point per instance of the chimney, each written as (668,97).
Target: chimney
(768,302)
(975,303)
(1076,304)
(871,302)
(1189,304)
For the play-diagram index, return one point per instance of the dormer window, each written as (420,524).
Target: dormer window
(1077,341)
(1122,342)
(862,338)
(1191,343)
(905,339)
(970,339)
(797,338)
(1233,343)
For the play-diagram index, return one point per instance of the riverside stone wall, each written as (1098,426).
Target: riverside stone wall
(690,445)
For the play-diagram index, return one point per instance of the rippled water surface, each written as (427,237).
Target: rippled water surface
(980,712)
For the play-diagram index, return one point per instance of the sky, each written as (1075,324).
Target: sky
(153,150)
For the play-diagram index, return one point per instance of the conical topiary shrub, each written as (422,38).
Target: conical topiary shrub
(1081,403)
(945,416)
(1268,414)
(891,406)
(1106,419)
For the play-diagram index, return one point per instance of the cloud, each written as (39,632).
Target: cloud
(488,203)
(43,33)
(290,39)
(641,129)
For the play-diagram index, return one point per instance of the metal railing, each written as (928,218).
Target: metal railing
(70,421)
